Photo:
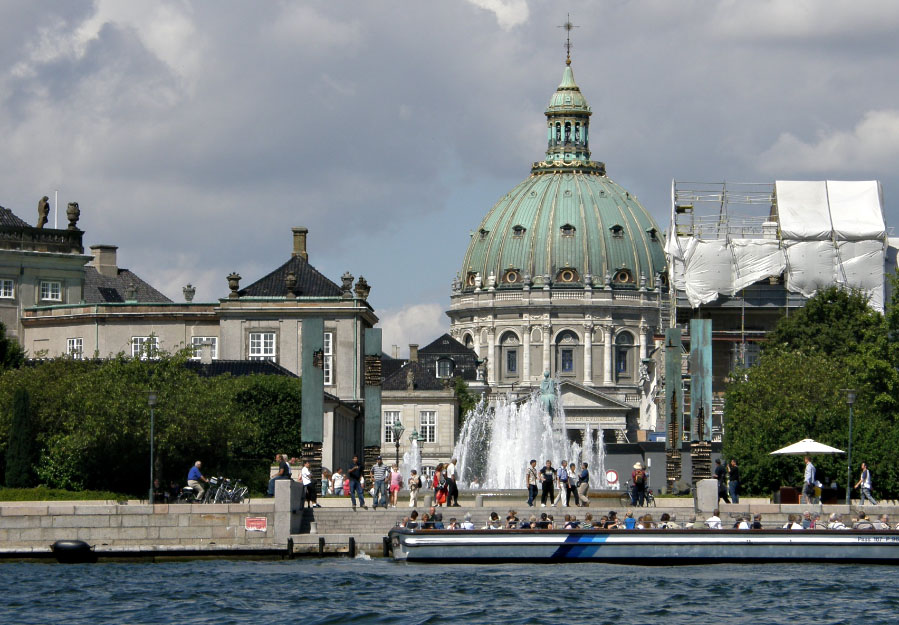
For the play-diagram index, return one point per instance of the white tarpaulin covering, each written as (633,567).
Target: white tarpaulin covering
(810,266)
(756,259)
(863,268)
(708,271)
(856,210)
(802,209)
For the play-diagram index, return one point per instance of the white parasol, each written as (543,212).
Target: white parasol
(806,447)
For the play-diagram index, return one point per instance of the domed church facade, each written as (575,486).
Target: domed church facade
(565,274)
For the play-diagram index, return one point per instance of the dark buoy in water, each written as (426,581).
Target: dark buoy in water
(73,551)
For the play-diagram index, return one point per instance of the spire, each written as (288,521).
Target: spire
(568,122)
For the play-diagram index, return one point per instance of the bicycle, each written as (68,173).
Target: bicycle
(626,499)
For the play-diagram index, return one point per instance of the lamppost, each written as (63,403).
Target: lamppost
(850,399)
(398,430)
(151,401)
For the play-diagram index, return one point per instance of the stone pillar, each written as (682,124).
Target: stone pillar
(644,342)
(477,341)
(526,356)
(607,356)
(547,330)
(491,356)
(588,354)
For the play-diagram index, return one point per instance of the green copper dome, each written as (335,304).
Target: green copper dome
(567,224)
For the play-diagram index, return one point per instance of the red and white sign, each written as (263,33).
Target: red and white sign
(256,524)
(612,477)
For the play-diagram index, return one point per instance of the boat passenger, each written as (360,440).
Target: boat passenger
(714,521)
(493,523)
(544,523)
(666,523)
(427,522)
(883,523)
(466,522)
(571,522)
(413,523)
(588,522)
(863,522)
(792,523)
(629,521)
(807,520)
(742,523)
(530,523)
(453,524)
(757,521)
(612,522)
(645,523)
(835,523)
(404,522)
(512,520)
(438,521)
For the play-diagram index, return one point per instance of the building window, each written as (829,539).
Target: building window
(623,346)
(144,347)
(75,348)
(328,361)
(7,289)
(262,346)
(51,290)
(390,417)
(444,368)
(197,342)
(512,362)
(566,356)
(428,426)
(567,230)
(518,231)
(617,231)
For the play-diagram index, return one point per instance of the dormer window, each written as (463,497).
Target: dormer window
(518,231)
(567,275)
(567,230)
(483,233)
(512,276)
(617,231)
(623,276)
(653,234)
(445,368)
(470,279)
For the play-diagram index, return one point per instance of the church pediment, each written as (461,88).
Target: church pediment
(578,397)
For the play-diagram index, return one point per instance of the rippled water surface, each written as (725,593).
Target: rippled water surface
(379,591)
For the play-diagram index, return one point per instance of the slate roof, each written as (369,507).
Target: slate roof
(310,282)
(445,345)
(389,366)
(422,379)
(9,220)
(100,289)
(237,368)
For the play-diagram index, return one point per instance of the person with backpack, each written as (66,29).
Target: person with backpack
(721,476)
(414,486)
(865,483)
(638,477)
(583,485)
(439,484)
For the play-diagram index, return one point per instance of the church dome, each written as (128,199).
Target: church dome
(567,224)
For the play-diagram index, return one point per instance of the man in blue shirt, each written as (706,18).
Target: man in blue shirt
(283,473)
(195,479)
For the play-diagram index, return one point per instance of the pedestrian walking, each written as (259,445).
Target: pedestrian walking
(864,481)
(583,485)
(572,485)
(414,486)
(721,476)
(808,481)
(379,473)
(531,479)
(547,479)
(354,476)
(733,484)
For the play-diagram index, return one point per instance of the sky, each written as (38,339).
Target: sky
(194,135)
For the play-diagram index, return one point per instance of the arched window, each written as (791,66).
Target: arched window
(518,231)
(558,132)
(567,230)
(510,363)
(567,132)
(624,348)
(617,231)
(577,133)
(567,348)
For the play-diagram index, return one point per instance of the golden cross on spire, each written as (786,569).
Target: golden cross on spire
(568,26)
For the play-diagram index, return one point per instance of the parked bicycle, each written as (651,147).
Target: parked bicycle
(219,490)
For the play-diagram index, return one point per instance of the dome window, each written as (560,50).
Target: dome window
(623,276)
(518,231)
(470,279)
(483,233)
(567,193)
(567,230)
(617,231)
(653,234)
(512,276)
(568,275)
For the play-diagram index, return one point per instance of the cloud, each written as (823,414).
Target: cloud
(509,13)
(419,324)
(873,145)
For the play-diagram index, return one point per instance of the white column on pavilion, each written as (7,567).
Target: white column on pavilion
(547,330)
(607,356)
(588,354)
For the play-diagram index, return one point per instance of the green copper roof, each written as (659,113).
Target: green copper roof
(567,220)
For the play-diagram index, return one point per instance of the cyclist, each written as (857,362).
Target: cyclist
(195,479)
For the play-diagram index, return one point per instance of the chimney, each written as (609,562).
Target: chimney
(413,352)
(299,243)
(396,351)
(105,260)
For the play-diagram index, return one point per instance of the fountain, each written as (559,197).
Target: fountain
(411,459)
(497,442)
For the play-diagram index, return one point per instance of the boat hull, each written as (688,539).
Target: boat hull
(661,547)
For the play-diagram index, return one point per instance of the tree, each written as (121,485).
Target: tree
(796,391)
(11,353)
(20,455)
(467,400)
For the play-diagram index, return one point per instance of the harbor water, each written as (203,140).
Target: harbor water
(379,591)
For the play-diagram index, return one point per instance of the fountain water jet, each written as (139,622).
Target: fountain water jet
(497,442)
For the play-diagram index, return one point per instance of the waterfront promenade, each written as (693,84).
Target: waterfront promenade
(282,527)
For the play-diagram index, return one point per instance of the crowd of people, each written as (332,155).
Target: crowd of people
(557,486)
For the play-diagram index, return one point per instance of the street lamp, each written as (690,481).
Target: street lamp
(850,399)
(151,401)
(398,430)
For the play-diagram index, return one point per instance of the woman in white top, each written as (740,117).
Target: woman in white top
(337,482)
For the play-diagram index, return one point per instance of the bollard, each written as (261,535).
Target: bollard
(428,501)
(290,548)
(313,527)
(479,501)
(351,547)
(387,546)
(321,545)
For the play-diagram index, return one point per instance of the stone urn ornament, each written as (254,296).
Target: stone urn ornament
(73,213)
(233,284)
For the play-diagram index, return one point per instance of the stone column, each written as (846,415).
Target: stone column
(588,354)
(644,343)
(477,341)
(491,356)
(526,356)
(607,356)
(547,330)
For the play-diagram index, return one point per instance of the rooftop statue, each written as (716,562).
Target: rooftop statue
(43,211)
